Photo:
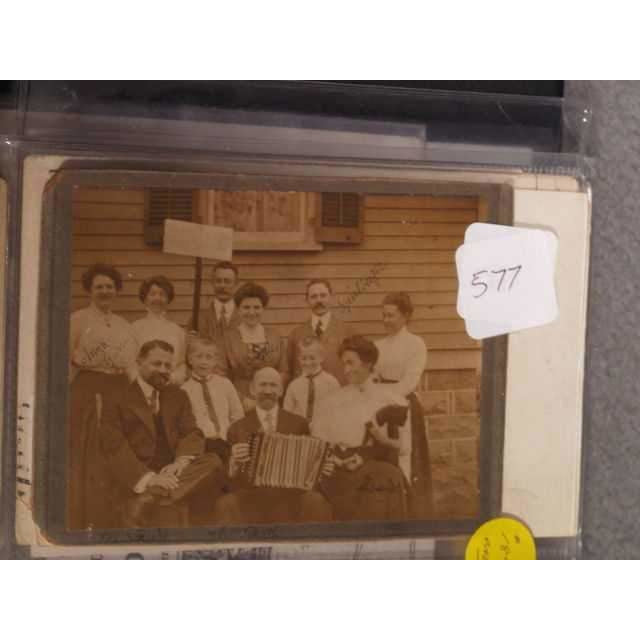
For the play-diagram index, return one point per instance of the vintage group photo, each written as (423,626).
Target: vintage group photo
(319,375)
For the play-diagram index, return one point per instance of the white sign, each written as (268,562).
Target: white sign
(197,240)
(506,279)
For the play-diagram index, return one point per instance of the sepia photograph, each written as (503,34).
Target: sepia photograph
(242,357)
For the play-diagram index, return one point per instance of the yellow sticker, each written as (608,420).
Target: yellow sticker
(501,539)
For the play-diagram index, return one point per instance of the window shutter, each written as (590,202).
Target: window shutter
(177,204)
(340,218)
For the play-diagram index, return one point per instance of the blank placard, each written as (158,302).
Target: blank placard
(198,240)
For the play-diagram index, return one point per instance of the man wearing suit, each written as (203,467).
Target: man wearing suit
(221,315)
(249,505)
(154,450)
(323,324)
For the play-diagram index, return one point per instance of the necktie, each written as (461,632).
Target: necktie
(268,418)
(155,404)
(319,330)
(223,318)
(208,400)
(311,396)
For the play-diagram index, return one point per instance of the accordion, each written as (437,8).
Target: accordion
(285,461)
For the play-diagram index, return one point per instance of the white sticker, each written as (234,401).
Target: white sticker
(506,279)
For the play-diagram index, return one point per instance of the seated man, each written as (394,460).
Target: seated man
(265,505)
(155,451)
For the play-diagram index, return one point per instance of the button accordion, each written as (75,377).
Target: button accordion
(286,461)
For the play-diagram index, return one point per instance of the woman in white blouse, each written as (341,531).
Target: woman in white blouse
(157,293)
(402,361)
(102,351)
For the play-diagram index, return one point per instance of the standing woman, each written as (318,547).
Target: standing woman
(403,357)
(102,351)
(250,345)
(102,345)
(157,293)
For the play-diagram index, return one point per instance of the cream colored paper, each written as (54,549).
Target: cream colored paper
(541,475)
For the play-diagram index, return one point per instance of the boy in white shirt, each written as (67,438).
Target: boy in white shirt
(314,384)
(214,400)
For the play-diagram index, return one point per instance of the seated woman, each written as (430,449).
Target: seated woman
(402,361)
(157,293)
(365,484)
(250,345)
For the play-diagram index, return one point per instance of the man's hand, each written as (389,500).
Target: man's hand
(239,455)
(176,468)
(329,466)
(240,452)
(353,462)
(164,481)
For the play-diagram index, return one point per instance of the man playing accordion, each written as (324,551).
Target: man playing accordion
(271,502)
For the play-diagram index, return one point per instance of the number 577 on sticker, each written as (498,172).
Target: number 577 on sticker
(484,280)
(506,283)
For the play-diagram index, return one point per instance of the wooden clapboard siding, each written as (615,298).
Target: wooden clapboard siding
(280,270)
(420,202)
(259,258)
(409,244)
(101,241)
(185,285)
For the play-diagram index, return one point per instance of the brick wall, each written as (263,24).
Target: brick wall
(451,402)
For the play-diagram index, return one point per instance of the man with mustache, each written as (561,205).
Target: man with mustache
(323,324)
(265,505)
(154,450)
(221,315)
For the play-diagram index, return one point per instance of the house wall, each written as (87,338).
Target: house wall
(409,244)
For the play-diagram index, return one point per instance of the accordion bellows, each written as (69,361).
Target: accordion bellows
(285,461)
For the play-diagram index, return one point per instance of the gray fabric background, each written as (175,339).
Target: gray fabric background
(611,501)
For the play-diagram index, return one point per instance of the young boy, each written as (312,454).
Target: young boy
(313,384)
(214,400)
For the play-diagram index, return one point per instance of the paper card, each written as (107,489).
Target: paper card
(506,280)
(197,240)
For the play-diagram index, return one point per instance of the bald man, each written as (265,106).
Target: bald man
(260,505)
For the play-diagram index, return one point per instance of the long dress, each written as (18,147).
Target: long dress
(102,352)
(245,358)
(376,490)
(159,327)
(401,363)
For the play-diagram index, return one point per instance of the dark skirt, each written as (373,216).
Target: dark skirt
(87,481)
(376,491)
(421,486)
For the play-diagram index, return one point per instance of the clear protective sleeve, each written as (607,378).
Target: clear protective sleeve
(522,157)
